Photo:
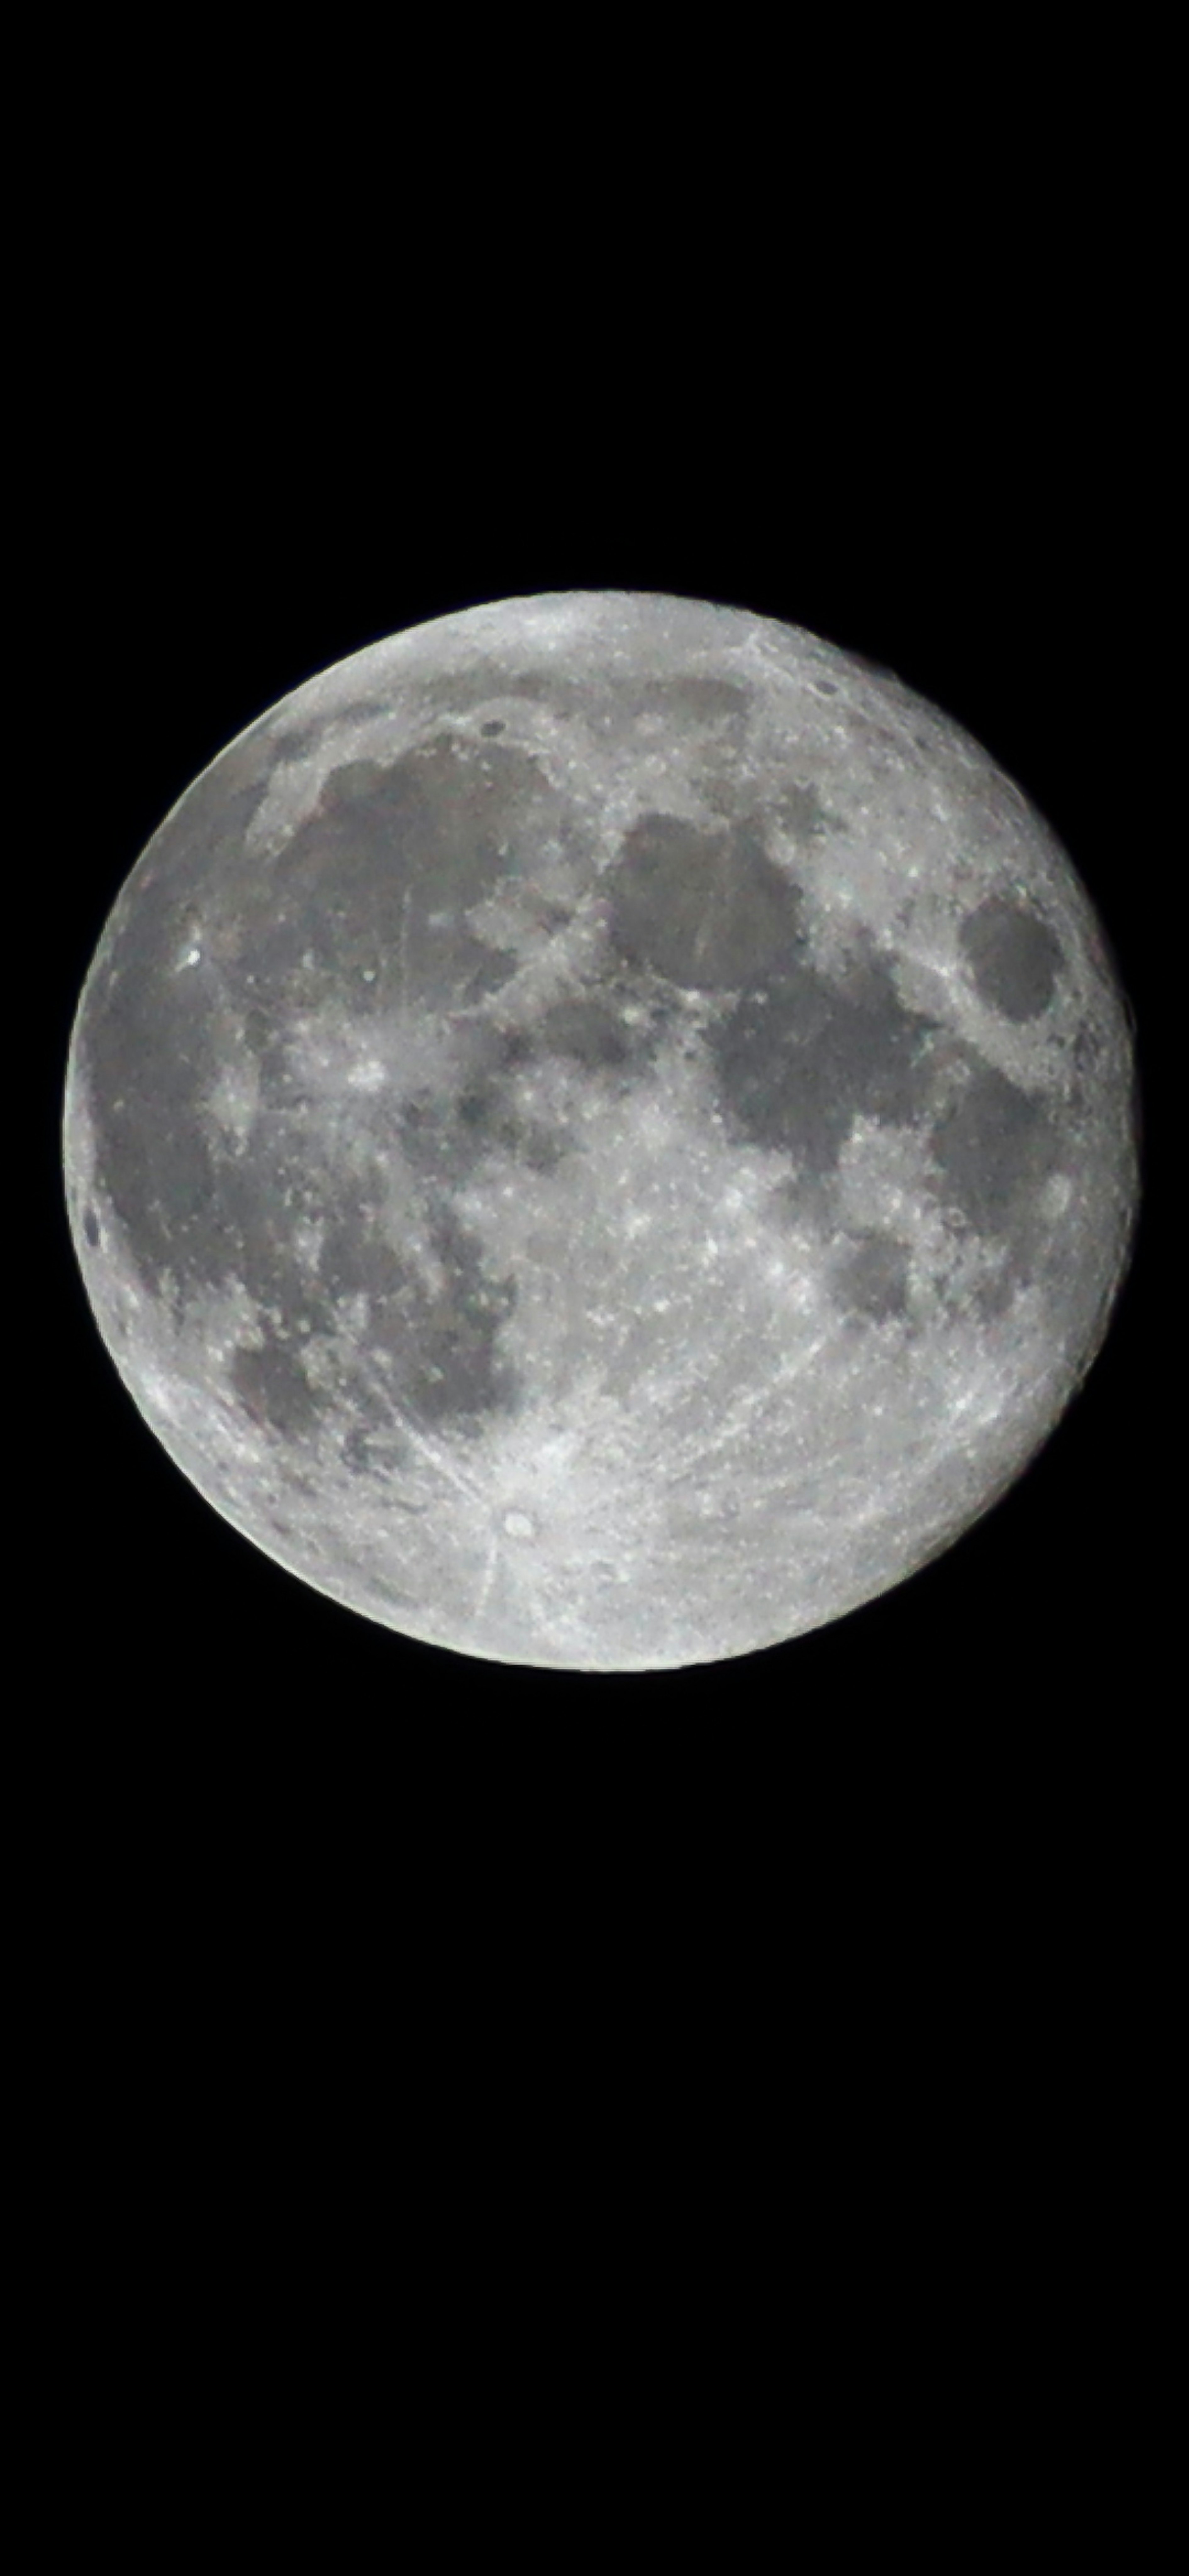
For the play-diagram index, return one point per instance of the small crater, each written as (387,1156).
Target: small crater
(494,727)
(91,1226)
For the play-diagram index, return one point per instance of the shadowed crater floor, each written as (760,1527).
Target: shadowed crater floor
(1013,957)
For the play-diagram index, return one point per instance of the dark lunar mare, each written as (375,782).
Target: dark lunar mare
(703,908)
(151,1041)
(994,1148)
(870,1280)
(371,896)
(801,1055)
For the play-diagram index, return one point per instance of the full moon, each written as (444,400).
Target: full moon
(601,1132)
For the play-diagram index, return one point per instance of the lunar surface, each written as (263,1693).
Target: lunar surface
(600,1132)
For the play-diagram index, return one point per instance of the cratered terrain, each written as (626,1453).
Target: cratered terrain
(601,1131)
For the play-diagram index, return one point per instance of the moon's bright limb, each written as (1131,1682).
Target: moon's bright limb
(601,1131)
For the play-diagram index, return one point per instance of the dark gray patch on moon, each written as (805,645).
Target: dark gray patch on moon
(994,1148)
(436,1349)
(872,1277)
(378,882)
(255,1202)
(432,1352)
(379,878)
(801,1056)
(696,700)
(1013,958)
(445,1361)
(800,809)
(379,1452)
(157,1167)
(592,1033)
(468,689)
(446,1133)
(151,1044)
(273,1387)
(705,909)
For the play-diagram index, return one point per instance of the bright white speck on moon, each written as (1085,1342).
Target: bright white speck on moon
(600,1132)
